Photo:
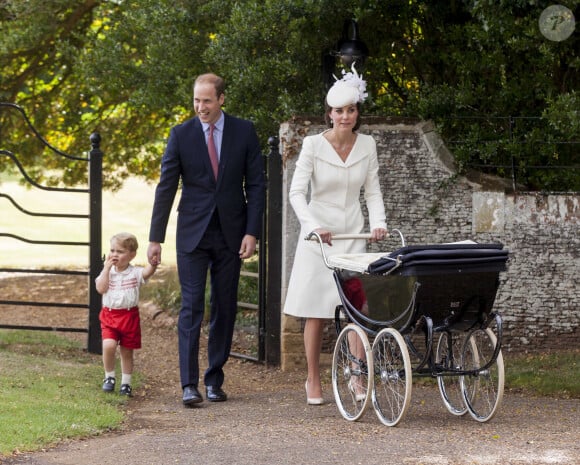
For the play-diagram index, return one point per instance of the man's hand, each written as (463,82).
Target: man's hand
(248,246)
(154,253)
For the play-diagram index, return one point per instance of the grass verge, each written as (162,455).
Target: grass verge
(49,392)
(551,374)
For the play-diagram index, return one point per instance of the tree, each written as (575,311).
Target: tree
(125,68)
(120,68)
(504,84)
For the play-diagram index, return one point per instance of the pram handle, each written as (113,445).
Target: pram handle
(314,236)
(343,237)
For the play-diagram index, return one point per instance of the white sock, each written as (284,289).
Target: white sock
(125,379)
(109,374)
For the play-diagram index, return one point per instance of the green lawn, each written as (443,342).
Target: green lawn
(49,391)
(126,210)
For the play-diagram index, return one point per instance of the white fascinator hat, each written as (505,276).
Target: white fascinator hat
(348,90)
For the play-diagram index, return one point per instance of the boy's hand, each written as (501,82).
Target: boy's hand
(109,262)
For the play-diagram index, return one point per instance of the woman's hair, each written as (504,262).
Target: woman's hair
(358,117)
(127,240)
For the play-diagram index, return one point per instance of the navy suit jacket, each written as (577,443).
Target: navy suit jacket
(237,195)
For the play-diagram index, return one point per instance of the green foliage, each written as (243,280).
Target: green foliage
(44,381)
(164,290)
(493,64)
(125,69)
(563,115)
(118,68)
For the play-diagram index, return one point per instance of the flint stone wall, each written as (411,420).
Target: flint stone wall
(424,197)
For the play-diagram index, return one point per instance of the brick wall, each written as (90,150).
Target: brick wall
(539,295)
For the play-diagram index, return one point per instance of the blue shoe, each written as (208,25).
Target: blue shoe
(109,384)
(126,390)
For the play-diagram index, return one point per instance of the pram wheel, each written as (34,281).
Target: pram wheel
(392,376)
(448,358)
(351,364)
(483,390)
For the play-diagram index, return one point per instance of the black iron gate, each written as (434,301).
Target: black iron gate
(267,311)
(269,261)
(271,277)
(94,193)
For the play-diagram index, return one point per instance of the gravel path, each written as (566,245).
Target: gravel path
(266,421)
(262,427)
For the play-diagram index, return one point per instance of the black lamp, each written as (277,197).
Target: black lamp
(349,49)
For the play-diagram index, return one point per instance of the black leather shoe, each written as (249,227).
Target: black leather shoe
(191,395)
(126,390)
(215,394)
(109,384)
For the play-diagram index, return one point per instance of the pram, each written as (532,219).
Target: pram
(427,311)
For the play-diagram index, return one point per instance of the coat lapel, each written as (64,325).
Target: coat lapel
(226,149)
(227,141)
(326,152)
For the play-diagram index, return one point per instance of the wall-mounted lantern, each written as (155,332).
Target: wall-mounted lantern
(348,50)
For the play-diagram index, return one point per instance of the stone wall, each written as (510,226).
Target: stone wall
(539,295)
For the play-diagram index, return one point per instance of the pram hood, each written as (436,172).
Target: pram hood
(458,253)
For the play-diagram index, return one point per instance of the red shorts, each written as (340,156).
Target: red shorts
(122,325)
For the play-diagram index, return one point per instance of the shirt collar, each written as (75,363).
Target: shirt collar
(219,124)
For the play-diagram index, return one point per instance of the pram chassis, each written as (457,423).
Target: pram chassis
(466,359)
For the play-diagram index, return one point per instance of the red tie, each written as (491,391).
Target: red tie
(213,158)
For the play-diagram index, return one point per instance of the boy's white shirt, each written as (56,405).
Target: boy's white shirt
(124,287)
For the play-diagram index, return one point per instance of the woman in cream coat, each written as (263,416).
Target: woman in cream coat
(336,165)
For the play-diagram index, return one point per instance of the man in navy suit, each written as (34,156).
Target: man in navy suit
(218,223)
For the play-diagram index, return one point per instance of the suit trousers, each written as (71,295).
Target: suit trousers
(211,254)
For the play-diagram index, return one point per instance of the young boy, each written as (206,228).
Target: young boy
(119,284)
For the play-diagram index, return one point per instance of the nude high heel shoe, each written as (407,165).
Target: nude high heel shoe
(359,396)
(312,400)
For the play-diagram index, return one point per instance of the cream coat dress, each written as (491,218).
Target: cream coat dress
(334,204)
